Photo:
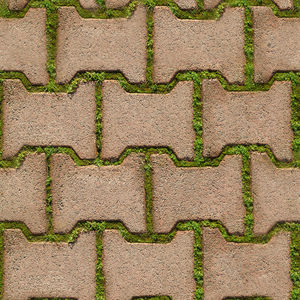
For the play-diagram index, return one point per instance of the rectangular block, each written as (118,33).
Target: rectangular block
(49,119)
(23,193)
(23,45)
(143,269)
(181,45)
(43,269)
(101,45)
(191,193)
(231,118)
(246,270)
(108,193)
(276,193)
(138,120)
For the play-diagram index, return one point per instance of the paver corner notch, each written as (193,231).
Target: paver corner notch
(259,117)
(23,45)
(47,269)
(141,119)
(276,193)
(49,119)
(193,193)
(139,269)
(23,193)
(245,269)
(117,44)
(181,45)
(107,193)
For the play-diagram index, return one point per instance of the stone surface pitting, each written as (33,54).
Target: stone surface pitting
(49,119)
(160,120)
(192,193)
(23,45)
(181,45)
(109,193)
(117,44)
(276,193)
(246,270)
(260,117)
(23,193)
(43,269)
(139,269)
(275,45)
(282,4)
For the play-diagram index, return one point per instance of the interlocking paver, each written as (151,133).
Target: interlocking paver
(275,191)
(98,193)
(42,269)
(186,4)
(109,44)
(23,193)
(260,117)
(191,193)
(17,4)
(246,270)
(116,3)
(275,45)
(23,45)
(89,4)
(131,119)
(139,269)
(282,4)
(56,119)
(199,44)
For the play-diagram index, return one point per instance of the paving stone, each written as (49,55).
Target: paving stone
(186,4)
(43,269)
(131,119)
(49,119)
(246,270)
(261,117)
(101,44)
(23,193)
(275,45)
(23,45)
(192,193)
(17,4)
(89,4)
(116,3)
(139,269)
(98,193)
(276,193)
(181,45)
(282,4)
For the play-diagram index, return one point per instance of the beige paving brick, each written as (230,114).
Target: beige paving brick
(42,269)
(109,44)
(275,191)
(199,44)
(98,193)
(261,117)
(17,4)
(89,4)
(192,193)
(139,269)
(23,193)
(23,45)
(49,119)
(275,45)
(131,119)
(186,4)
(246,270)
(116,3)
(282,4)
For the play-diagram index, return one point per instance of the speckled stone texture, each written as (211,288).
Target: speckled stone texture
(23,45)
(276,193)
(17,4)
(98,193)
(275,45)
(282,4)
(89,4)
(186,4)
(260,117)
(49,119)
(181,45)
(117,44)
(191,193)
(43,269)
(139,269)
(244,270)
(23,193)
(160,120)
(116,3)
